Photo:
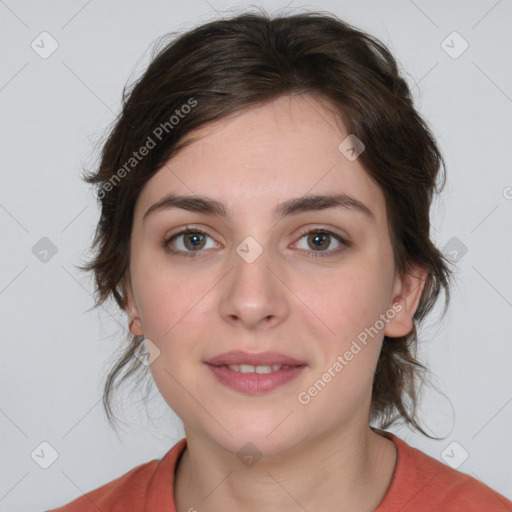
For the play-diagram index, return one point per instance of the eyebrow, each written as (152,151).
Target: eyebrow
(209,206)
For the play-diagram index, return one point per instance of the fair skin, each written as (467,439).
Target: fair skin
(319,456)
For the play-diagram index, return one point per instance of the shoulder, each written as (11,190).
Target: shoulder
(132,490)
(422,483)
(121,491)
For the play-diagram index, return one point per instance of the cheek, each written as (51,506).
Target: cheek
(174,306)
(173,323)
(351,305)
(166,295)
(354,300)
(347,357)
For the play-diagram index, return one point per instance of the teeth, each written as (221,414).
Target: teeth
(248,368)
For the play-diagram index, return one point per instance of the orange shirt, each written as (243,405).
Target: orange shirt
(420,484)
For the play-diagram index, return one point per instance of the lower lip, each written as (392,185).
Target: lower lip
(255,383)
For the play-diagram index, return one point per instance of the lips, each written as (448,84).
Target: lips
(255,373)
(254,383)
(238,357)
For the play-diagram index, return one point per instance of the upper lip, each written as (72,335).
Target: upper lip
(254,359)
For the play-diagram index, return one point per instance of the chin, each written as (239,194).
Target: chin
(269,438)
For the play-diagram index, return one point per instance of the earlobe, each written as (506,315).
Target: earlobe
(408,290)
(136,327)
(134,323)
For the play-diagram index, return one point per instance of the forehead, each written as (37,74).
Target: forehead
(264,155)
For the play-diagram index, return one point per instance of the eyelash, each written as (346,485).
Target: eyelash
(165,243)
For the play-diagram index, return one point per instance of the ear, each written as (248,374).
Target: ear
(131,309)
(407,292)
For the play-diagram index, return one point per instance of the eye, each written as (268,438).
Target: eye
(189,242)
(321,239)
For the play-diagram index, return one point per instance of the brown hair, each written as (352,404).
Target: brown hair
(228,65)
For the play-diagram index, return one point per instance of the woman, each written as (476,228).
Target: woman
(265,201)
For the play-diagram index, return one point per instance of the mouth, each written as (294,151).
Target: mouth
(257,382)
(255,374)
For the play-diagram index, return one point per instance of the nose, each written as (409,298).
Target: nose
(253,294)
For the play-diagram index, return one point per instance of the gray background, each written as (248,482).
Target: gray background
(56,353)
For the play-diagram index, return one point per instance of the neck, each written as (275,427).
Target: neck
(348,472)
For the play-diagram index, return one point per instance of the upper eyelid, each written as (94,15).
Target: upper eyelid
(318,227)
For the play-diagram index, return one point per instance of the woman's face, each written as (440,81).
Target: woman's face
(255,281)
